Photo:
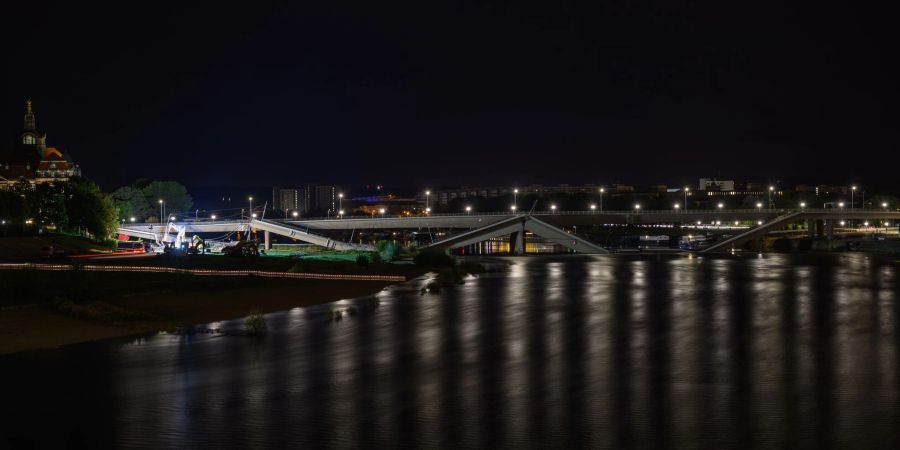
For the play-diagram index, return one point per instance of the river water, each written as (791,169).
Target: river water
(773,351)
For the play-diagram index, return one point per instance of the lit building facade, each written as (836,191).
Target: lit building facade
(31,160)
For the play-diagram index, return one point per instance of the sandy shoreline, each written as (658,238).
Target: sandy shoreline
(42,327)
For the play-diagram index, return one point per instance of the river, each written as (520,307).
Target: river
(753,351)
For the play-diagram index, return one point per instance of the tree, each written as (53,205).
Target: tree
(47,204)
(172,192)
(131,202)
(90,210)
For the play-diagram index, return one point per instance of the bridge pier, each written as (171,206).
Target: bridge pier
(267,240)
(517,243)
(829,229)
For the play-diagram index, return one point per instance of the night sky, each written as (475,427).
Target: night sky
(447,93)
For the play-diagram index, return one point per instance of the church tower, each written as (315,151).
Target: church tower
(29,116)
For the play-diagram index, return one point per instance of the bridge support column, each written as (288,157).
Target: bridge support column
(829,229)
(268,241)
(517,243)
(811,228)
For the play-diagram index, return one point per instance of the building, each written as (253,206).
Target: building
(712,184)
(445,196)
(289,199)
(31,161)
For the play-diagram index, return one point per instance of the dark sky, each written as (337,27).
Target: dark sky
(448,93)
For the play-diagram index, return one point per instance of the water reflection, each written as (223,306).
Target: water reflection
(654,352)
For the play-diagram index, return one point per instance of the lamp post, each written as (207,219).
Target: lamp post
(341,200)
(251,206)
(637,207)
(295,214)
(132,220)
(513,209)
(852,191)
(213,217)
(771,203)
(553,209)
(161,213)
(468,209)
(427,200)
(884,206)
(381,211)
(601,198)
(721,205)
(515,196)
(802,205)
(758,206)
(686,190)
(676,206)
(341,214)
(593,207)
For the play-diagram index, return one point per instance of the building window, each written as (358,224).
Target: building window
(28,139)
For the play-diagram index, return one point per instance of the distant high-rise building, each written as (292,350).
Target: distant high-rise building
(324,199)
(289,199)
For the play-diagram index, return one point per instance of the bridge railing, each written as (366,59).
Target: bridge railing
(632,212)
(539,213)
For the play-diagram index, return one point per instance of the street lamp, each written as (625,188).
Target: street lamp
(841,205)
(132,220)
(676,206)
(468,209)
(253,215)
(852,191)
(686,190)
(553,208)
(515,196)
(637,207)
(213,217)
(161,213)
(341,213)
(427,200)
(381,211)
(771,203)
(428,210)
(802,205)
(601,198)
(295,214)
(593,207)
(251,205)
(884,205)
(512,208)
(758,206)
(721,205)
(341,200)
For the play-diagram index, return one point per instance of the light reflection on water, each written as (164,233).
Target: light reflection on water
(776,351)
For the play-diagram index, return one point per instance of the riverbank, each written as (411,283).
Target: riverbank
(45,309)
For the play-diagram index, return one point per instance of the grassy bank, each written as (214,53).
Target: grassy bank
(48,309)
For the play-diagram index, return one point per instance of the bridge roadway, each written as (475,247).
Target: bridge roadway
(578,218)
(305,229)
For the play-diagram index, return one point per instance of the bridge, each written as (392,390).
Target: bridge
(549,225)
(173,231)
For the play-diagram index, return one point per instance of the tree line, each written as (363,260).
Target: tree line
(79,206)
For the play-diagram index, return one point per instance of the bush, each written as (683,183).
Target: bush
(255,323)
(362,260)
(430,258)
